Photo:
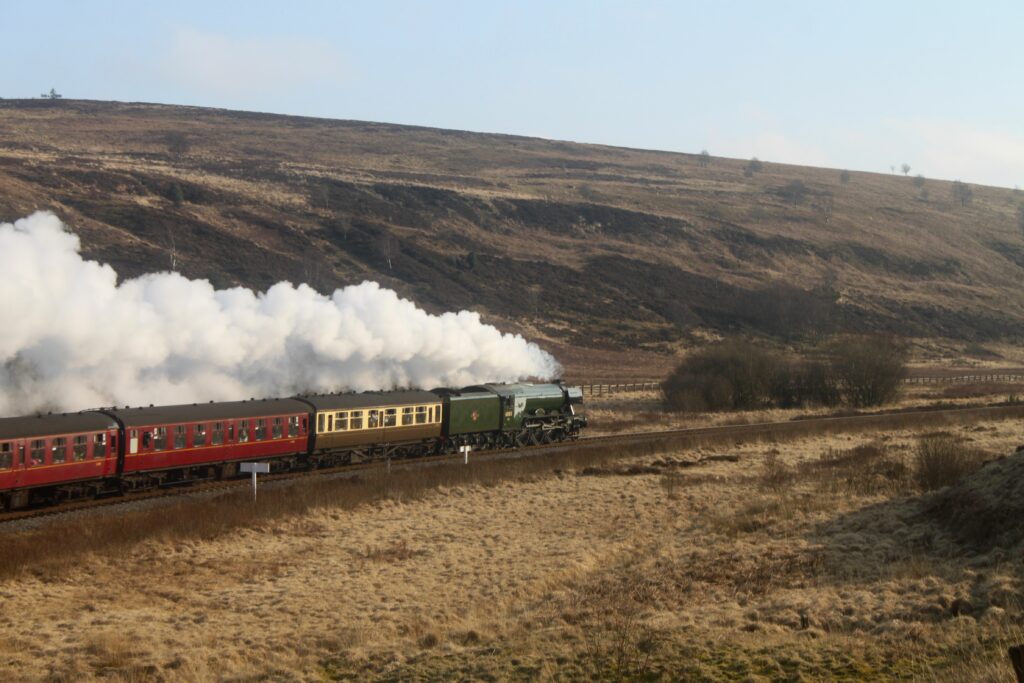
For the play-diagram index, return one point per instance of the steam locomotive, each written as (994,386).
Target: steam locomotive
(47,459)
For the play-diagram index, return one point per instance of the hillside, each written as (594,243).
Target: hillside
(576,245)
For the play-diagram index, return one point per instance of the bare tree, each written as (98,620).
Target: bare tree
(962,192)
(826,205)
(704,159)
(172,251)
(755,165)
(389,247)
(870,367)
(844,176)
(918,180)
(52,95)
(905,168)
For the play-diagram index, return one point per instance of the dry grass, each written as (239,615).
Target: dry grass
(696,563)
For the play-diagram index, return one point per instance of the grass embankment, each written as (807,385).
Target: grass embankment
(56,544)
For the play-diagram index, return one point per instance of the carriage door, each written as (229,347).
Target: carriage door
(133,441)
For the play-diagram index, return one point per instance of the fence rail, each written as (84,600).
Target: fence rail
(606,388)
(998,377)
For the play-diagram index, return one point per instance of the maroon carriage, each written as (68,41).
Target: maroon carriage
(49,458)
(169,444)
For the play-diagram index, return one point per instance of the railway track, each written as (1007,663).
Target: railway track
(669,438)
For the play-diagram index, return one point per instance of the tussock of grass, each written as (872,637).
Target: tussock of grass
(943,460)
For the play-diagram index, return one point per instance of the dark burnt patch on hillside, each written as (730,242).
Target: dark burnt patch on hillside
(198,249)
(1014,253)
(749,246)
(573,218)
(879,260)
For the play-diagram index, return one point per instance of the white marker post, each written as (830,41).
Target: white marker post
(255,468)
(465,453)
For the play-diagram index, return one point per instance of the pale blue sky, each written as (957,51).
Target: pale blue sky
(860,85)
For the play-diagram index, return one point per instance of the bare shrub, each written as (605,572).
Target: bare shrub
(869,367)
(941,460)
(730,376)
(775,474)
(738,376)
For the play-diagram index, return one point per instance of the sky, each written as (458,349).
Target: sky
(858,85)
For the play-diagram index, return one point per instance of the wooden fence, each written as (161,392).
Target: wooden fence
(999,377)
(606,388)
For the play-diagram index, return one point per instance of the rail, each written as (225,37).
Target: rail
(686,437)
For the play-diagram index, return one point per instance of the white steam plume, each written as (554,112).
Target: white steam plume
(72,338)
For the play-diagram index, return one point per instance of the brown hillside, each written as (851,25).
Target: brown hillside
(586,245)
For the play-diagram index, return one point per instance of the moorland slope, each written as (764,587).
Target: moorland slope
(574,244)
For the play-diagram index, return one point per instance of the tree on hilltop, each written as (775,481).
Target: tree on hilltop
(844,176)
(52,95)
(704,159)
(905,168)
(918,180)
(962,192)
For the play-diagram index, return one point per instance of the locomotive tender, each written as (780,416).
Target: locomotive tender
(46,459)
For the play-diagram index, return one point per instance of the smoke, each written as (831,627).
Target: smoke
(72,338)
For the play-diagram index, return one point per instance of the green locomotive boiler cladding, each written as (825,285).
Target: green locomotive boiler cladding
(501,415)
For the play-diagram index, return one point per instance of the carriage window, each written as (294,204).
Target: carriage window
(341,421)
(278,428)
(330,422)
(159,438)
(421,414)
(293,426)
(59,447)
(355,419)
(198,436)
(6,456)
(179,436)
(320,423)
(260,432)
(373,420)
(99,446)
(406,416)
(217,436)
(243,431)
(80,448)
(390,417)
(37,453)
